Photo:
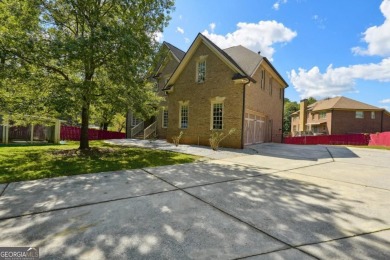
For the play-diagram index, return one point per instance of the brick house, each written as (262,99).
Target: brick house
(216,90)
(339,115)
(171,57)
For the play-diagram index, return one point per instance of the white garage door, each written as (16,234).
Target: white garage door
(255,129)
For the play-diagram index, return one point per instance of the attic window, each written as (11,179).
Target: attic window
(201,70)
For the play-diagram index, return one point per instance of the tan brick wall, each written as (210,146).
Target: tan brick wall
(166,72)
(344,122)
(271,105)
(218,83)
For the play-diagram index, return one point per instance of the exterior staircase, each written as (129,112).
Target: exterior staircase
(139,132)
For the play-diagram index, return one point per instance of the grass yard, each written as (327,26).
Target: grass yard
(27,162)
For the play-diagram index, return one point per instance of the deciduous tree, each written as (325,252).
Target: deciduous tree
(80,51)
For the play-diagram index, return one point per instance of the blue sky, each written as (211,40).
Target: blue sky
(322,48)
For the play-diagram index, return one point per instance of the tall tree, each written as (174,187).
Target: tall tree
(289,108)
(88,50)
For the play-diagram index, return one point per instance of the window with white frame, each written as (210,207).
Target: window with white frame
(372,115)
(135,121)
(270,86)
(165,118)
(217,115)
(359,114)
(201,70)
(184,115)
(322,115)
(262,81)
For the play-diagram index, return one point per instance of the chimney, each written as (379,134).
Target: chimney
(302,115)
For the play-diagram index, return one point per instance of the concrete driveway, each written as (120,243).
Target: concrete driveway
(270,201)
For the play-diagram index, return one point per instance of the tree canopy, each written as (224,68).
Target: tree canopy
(61,57)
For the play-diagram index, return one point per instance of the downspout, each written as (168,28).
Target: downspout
(282,137)
(243,115)
(382,120)
(331,121)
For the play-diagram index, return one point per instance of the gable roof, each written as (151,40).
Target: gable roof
(246,59)
(177,53)
(341,103)
(218,51)
(241,60)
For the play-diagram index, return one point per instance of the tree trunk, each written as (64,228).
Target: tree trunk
(84,139)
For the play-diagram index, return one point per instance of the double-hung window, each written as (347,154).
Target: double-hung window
(262,81)
(217,115)
(201,70)
(184,116)
(165,118)
(322,115)
(135,121)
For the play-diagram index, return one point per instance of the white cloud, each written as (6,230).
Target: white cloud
(180,17)
(385,101)
(276,5)
(259,36)
(212,27)
(335,81)
(377,37)
(187,40)
(180,30)
(158,36)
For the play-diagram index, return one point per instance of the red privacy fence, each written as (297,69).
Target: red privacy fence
(350,139)
(72,133)
(382,139)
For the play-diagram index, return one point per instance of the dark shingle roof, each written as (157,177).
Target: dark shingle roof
(176,51)
(246,59)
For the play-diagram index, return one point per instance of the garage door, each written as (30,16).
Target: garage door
(254,129)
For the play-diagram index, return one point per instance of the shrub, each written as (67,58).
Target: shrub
(176,139)
(217,137)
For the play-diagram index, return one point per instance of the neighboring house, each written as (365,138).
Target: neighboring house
(217,90)
(339,115)
(171,57)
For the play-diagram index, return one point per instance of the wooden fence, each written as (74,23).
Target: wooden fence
(72,133)
(348,139)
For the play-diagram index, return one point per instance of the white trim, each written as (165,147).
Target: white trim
(214,101)
(164,109)
(201,59)
(181,105)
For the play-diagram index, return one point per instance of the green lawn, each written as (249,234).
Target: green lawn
(27,162)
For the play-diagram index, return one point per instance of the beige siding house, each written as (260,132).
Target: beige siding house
(339,115)
(216,90)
